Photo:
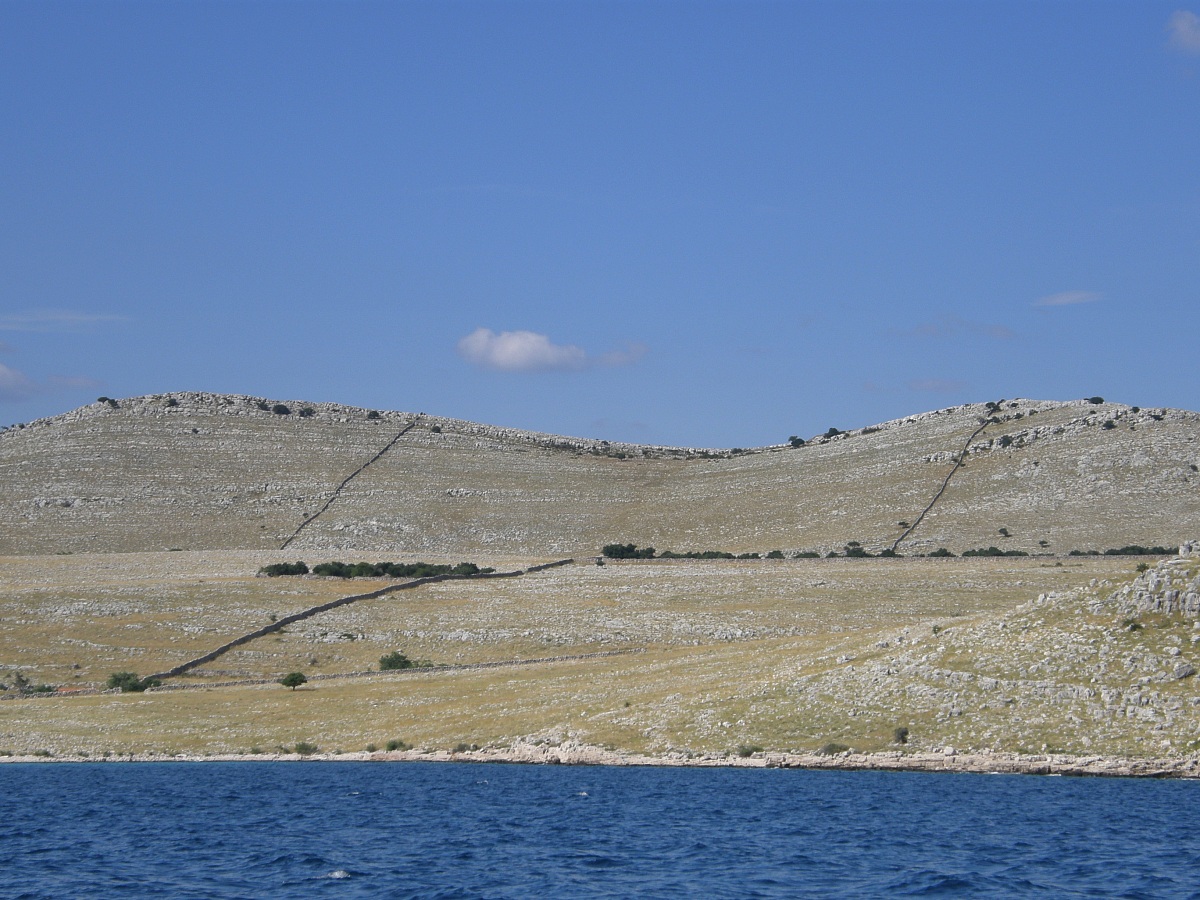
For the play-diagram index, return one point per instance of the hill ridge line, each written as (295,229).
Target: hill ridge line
(468,426)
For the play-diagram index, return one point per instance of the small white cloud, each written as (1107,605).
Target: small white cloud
(936,385)
(519,351)
(1068,298)
(1184,28)
(528,351)
(54,320)
(14,385)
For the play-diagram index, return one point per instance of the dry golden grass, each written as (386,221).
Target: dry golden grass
(785,655)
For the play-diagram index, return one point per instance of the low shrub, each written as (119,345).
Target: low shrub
(994,551)
(748,750)
(276,569)
(394,661)
(394,745)
(304,748)
(129,682)
(775,554)
(281,409)
(900,735)
(627,551)
(307,412)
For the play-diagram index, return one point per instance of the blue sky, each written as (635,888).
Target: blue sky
(714,224)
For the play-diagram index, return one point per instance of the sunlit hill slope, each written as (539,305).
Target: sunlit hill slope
(207,471)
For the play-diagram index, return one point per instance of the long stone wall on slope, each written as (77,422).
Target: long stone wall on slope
(281,623)
(345,481)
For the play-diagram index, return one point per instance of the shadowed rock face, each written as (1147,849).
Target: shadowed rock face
(208,471)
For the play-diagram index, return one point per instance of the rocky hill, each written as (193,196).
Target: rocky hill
(206,471)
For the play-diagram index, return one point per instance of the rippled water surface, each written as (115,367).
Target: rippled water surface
(350,830)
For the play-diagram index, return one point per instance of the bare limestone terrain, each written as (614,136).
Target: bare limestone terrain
(219,472)
(131,534)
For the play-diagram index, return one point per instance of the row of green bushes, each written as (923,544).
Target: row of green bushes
(373,570)
(633,551)
(707,554)
(1131,550)
(854,550)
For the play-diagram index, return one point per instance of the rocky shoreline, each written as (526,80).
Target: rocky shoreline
(945,760)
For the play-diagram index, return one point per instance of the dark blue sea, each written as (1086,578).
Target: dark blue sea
(427,830)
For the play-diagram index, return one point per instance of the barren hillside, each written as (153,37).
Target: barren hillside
(204,471)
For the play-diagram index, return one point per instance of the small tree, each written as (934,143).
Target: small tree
(293,680)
